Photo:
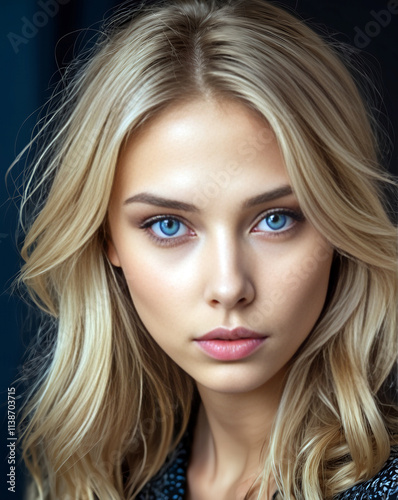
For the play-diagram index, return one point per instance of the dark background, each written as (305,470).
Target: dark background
(40,36)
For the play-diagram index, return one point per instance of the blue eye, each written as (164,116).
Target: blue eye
(168,227)
(276,222)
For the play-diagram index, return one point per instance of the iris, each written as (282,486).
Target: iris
(169,227)
(276,221)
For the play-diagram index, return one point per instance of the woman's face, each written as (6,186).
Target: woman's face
(209,235)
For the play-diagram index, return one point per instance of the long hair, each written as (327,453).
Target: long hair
(108,405)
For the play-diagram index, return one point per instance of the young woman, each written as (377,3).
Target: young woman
(207,238)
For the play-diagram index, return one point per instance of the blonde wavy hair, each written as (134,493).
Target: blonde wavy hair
(108,405)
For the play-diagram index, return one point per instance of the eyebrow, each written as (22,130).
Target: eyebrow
(160,201)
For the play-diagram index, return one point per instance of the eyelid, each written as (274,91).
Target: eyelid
(157,218)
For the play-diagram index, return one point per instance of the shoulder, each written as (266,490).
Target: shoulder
(170,482)
(383,486)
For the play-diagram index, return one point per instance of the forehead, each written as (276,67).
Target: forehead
(188,144)
(199,118)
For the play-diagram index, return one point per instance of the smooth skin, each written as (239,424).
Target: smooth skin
(229,250)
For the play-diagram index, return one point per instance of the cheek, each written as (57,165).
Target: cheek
(159,292)
(308,299)
(298,291)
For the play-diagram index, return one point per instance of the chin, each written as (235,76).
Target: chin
(239,382)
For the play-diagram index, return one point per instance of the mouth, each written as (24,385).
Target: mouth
(230,345)
(236,334)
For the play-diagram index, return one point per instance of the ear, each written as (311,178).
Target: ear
(112,253)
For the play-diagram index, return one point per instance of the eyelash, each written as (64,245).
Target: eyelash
(296,215)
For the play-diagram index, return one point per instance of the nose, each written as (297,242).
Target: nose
(228,280)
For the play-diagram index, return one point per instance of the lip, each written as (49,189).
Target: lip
(230,345)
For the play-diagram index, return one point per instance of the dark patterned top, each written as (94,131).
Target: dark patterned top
(170,482)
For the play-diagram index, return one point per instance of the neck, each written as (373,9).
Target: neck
(231,432)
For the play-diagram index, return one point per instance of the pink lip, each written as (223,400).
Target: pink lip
(229,345)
